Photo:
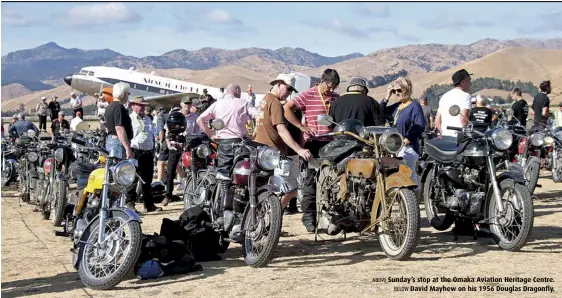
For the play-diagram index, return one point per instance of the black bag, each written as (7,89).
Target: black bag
(204,241)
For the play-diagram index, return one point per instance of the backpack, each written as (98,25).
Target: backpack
(197,229)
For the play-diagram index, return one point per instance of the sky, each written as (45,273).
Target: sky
(329,29)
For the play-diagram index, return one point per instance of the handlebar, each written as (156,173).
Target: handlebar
(78,141)
(339,133)
(454,128)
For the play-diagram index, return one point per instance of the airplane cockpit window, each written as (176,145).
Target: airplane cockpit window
(83,72)
(91,73)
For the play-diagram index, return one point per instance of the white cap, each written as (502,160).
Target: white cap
(43,97)
(286,79)
(72,93)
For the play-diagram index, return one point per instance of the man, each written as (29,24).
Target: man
(460,96)
(541,105)
(42,109)
(142,144)
(481,116)
(271,130)
(520,107)
(118,122)
(76,104)
(356,104)
(54,107)
(234,112)
(206,100)
(427,113)
(102,105)
(22,126)
(175,150)
(58,125)
(221,96)
(313,102)
(76,120)
(163,153)
(558,116)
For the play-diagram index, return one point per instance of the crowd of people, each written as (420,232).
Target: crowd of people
(288,125)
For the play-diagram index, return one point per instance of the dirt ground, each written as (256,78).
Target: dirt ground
(36,263)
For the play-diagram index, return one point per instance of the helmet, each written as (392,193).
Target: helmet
(176,122)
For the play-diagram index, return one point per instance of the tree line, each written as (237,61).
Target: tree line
(377,81)
(434,92)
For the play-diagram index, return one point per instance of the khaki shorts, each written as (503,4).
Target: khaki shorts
(285,175)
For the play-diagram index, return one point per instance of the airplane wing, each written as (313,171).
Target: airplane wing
(170,100)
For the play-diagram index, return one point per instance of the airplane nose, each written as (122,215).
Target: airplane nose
(68,80)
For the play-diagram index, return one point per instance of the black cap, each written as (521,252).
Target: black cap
(459,76)
(358,82)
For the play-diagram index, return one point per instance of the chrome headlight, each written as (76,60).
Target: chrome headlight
(32,156)
(537,139)
(502,139)
(124,173)
(268,158)
(548,140)
(59,155)
(392,141)
(203,151)
(31,133)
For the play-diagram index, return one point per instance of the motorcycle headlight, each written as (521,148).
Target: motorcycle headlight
(124,173)
(548,140)
(203,151)
(502,139)
(32,156)
(392,141)
(59,155)
(268,158)
(537,139)
(31,133)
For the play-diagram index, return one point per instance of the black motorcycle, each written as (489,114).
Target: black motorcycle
(460,182)
(10,165)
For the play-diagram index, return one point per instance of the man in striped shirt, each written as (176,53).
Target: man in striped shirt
(313,102)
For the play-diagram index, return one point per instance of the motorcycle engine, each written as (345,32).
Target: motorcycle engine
(467,202)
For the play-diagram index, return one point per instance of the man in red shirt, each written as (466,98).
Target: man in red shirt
(313,102)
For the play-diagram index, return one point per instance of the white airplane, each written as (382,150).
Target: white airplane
(160,90)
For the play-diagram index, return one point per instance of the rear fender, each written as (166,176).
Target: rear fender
(129,214)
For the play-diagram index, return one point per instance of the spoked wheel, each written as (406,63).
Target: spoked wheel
(59,202)
(260,240)
(45,203)
(25,197)
(511,231)
(197,197)
(532,169)
(102,268)
(400,232)
(431,195)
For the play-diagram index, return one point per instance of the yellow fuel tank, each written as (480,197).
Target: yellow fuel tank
(95,180)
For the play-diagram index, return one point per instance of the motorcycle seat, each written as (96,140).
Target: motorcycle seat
(442,149)
(83,168)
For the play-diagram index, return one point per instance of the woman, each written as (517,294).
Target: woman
(41,109)
(407,117)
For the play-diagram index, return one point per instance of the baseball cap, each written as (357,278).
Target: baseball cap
(286,79)
(357,81)
(187,100)
(138,100)
(459,76)
(43,97)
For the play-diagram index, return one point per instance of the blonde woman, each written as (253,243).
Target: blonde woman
(406,116)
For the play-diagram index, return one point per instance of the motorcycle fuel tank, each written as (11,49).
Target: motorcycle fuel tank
(362,167)
(241,172)
(47,165)
(95,180)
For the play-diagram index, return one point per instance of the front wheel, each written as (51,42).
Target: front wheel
(260,240)
(511,231)
(532,169)
(103,268)
(59,202)
(401,231)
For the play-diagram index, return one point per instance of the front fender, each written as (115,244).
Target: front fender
(516,176)
(128,214)
(273,186)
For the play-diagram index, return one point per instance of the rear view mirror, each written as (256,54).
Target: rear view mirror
(217,124)
(325,120)
(454,110)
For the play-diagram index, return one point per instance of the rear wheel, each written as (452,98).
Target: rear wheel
(511,231)
(532,169)
(400,232)
(431,196)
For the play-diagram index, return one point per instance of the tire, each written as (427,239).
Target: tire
(526,202)
(275,223)
(440,224)
(412,228)
(44,206)
(532,170)
(36,197)
(24,191)
(128,264)
(59,203)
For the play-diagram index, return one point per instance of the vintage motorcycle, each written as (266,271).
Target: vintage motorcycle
(362,185)
(244,201)
(107,236)
(10,155)
(198,155)
(460,182)
(28,176)
(547,146)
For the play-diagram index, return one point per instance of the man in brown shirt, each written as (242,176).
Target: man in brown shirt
(271,130)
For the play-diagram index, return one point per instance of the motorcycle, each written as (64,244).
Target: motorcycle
(10,155)
(27,145)
(460,181)
(547,146)
(362,185)
(198,155)
(243,201)
(100,219)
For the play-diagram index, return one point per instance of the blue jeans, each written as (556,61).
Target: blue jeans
(115,144)
(410,157)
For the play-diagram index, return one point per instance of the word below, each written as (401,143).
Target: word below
(509,289)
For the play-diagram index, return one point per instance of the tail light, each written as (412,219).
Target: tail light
(47,165)
(522,145)
(186,159)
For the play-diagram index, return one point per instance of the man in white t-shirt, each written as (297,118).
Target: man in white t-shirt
(458,96)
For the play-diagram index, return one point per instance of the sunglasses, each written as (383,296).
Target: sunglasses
(395,91)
